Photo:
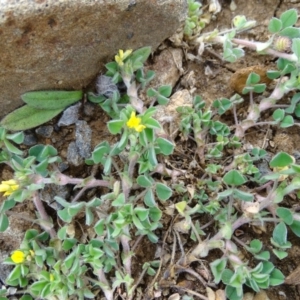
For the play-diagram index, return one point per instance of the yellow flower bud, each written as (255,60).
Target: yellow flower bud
(8,187)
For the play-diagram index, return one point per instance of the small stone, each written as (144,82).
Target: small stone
(248,296)
(44,131)
(83,135)
(29,139)
(70,115)
(62,166)
(262,295)
(167,67)
(73,156)
(168,113)
(50,191)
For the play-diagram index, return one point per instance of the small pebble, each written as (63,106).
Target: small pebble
(83,135)
(30,139)
(44,131)
(70,115)
(73,156)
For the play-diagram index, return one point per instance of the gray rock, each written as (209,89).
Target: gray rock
(29,139)
(73,156)
(62,44)
(50,191)
(83,136)
(70,115)
(44,131)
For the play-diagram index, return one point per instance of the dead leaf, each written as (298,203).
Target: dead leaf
(262,295)
(220,295)
(294,277)
(248,296)
(210,294)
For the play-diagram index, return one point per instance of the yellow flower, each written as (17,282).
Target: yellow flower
(122,56)
(18,257)
(8,187)
(135,123)
(51,277)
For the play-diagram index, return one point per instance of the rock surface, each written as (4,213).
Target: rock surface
(62,44)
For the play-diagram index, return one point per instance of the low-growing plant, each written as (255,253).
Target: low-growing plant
(138,187)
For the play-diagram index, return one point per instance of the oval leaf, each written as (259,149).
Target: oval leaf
(234,177)
(27,117)
(51,99)
(281,160)
(163,192)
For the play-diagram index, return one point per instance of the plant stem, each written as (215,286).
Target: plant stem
(253,45)
(108,292)
(43,214)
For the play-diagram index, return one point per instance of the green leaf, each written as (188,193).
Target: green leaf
(4,223)
(255,246)
(241,195)
(162,100)
(166,147)
(155,214)
(51,99)
(64,215)
(280,234)
(289,18)
(276,277)
(296,47)
(281,160)
(98,154)
(99,227)
(115,126)
(163,192)
(11,148)
(234,177)
(259,88)
(37,287)
(253,78)
(217,268)
(25,297)
(285,214)
(27,117)
(17,137)
(151,92)
(165,90)
(149,199)
(275,25)
(140,55)
(278,114)
(142,213)
(295,226)
(151,123)
(62,232)
(119,201)
(290,32)
(287,121)
(273,74)
(144,181)
(280,254)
